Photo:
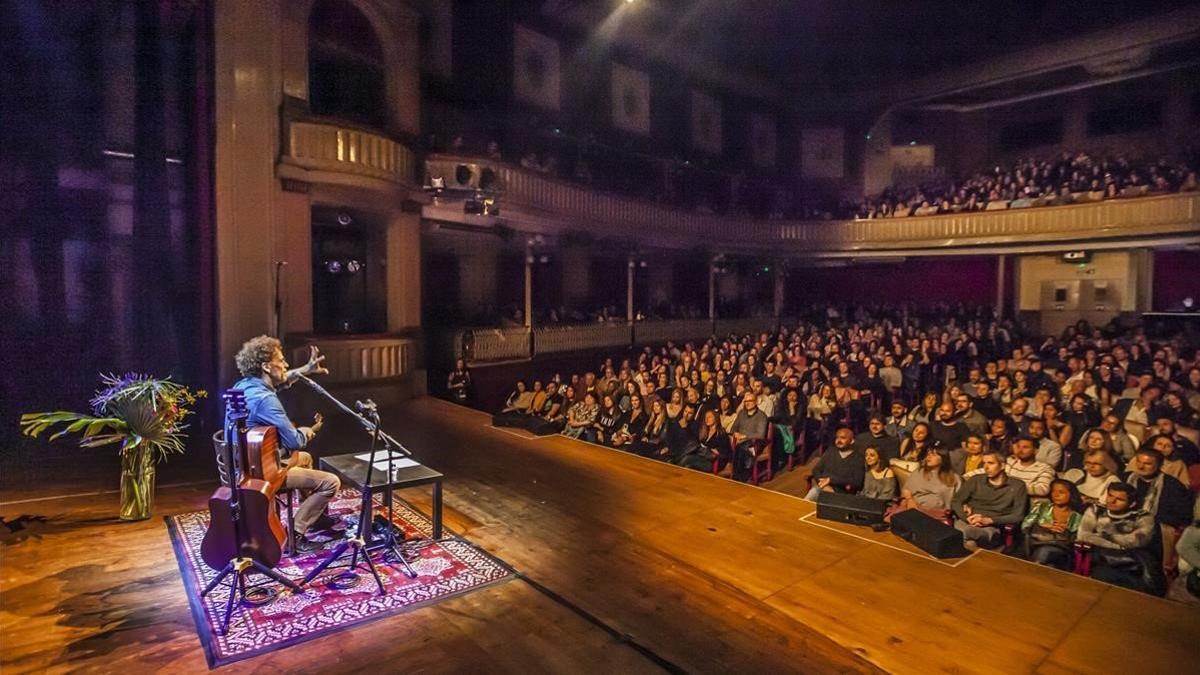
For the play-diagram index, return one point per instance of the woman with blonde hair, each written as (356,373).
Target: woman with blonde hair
(1099,470)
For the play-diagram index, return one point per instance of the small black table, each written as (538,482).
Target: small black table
(353,471)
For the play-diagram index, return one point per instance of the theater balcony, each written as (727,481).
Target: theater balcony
(333,152)
(531,202)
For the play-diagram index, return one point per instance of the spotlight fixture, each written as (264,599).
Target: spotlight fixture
(344,219)
(333,266)
(353,266)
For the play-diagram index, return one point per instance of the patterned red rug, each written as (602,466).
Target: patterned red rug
(444,569)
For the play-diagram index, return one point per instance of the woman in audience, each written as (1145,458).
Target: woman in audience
(1099,470)
(1050,526)
(912,449)
(931,488)
(675,408)
(727,413)
(879,481)
(787,419)
(608,421)
(519,399)
(1057,429)
(628,391)
(635,424)
(712,445)
(652,441)
(580,418)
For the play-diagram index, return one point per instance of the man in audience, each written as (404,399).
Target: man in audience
(876,437)
(898,424)
(965,411)
(986,502)
(840,469)
(748,429)
(1163,497)
(946,430)
(1025,467)
(1124,541)
(1048,449)
(1018,420)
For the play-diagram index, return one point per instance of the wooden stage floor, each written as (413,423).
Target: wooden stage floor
(632,566)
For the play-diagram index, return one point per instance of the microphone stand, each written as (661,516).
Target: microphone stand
(366,518)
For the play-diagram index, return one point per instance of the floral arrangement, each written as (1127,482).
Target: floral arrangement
(144,414)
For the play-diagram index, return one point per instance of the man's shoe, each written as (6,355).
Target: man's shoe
(305,545)
(325,522)
(971,545)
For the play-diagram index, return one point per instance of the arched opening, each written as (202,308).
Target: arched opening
(346,71)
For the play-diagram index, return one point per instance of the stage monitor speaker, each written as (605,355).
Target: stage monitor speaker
(851,509)
(928,534)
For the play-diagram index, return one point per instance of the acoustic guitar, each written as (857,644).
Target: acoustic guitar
(242,519)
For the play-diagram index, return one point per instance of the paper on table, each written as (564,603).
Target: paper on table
(401,463)
(366,456)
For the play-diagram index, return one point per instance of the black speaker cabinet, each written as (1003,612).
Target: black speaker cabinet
(928,534)
(851,509)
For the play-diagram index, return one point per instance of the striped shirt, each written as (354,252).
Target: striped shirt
(1036,475)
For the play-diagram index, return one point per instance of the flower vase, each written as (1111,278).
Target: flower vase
(137,484)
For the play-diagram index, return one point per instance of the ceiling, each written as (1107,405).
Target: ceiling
(840,46)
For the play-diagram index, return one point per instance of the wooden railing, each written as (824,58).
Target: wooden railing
(507,344)
(353,359)
(322,146)
(582,207)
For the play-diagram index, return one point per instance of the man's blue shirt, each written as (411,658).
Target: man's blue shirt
(265,409)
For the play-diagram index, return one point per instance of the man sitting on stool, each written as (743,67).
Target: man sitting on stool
(264,370)
(987,501)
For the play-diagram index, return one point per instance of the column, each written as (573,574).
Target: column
(403,241)
(529,286)
(629,267)
(777,297)
(1001,261)
(712,290)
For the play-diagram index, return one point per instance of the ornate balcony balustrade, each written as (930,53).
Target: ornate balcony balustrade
(327,146)
(368,359)
(530,192)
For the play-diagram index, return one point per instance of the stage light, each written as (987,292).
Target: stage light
(344,219)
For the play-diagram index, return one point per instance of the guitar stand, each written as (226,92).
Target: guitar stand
(240,568)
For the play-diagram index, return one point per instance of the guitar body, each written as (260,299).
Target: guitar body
(262,457)
(262,533)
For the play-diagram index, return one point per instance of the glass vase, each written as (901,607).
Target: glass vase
(137,485)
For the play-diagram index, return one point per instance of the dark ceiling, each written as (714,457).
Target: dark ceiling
(850,45)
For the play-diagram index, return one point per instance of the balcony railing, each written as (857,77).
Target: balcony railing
(579,206)
(322,146)
(353,359)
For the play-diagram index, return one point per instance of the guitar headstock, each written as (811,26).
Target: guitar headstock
(235,404)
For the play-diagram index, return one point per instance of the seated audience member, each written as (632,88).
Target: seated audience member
(968,459)
(947,430)
(519,400)
(931,487)
(1024,467)
(897,424)
(1050,528)
(912,449)
(1185,450)
(1124,540)
(712,444)
(727,412)
(1137,414)
(749,427)
(1057,429)
(840,469)
(458,383)
(580,418)
(1124,444)
(999,438)
(1048,450)
(681,435)
(652,441)
(553,411)
(1161,496)
(876,437)
(987,501)
(1177,410)
(608,421)
(972,419)
(1171,464)
(1099,471)
(787,418)
(1093,440)
(879,481)
(633,426)
(1188,550)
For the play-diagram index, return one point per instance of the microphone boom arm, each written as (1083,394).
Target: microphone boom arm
(366,423)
